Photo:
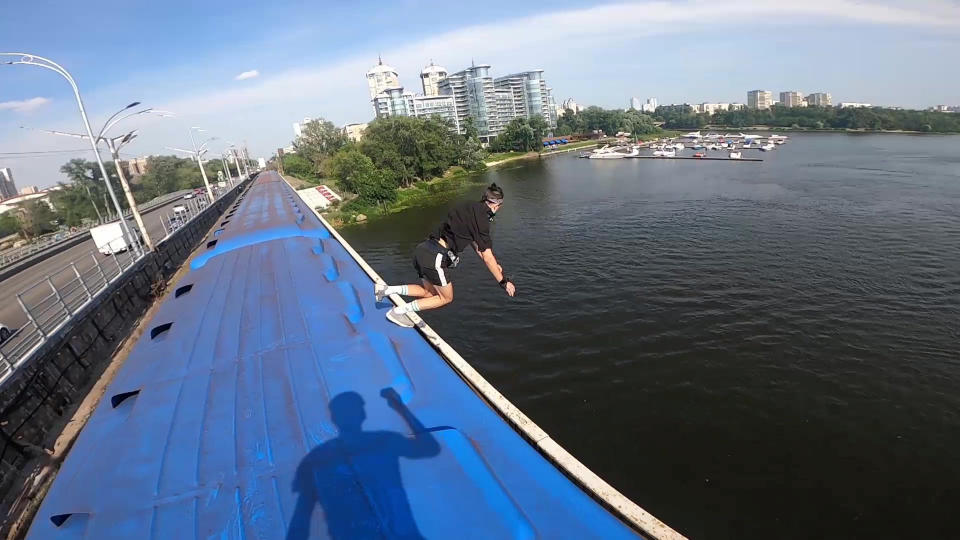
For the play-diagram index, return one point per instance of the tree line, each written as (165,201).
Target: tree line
(610,121)
(869,118)
(395,152)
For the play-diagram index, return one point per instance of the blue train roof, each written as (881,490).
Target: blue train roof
(269,398)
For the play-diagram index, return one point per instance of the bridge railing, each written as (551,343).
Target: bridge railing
(14,255)
(52,301)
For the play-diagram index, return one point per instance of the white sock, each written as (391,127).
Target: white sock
(396,289)
(407,308)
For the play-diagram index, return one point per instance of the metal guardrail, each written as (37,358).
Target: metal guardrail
(14,255)
(53,300)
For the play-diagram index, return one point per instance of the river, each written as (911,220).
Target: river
(747,350)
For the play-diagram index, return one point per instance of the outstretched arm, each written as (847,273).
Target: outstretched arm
(423,443)
(495,269)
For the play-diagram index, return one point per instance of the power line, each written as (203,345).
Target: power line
(45,152)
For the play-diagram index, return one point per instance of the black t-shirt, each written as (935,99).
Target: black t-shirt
(466,223)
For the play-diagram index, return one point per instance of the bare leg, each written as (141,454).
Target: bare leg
(441,296)
(418,291)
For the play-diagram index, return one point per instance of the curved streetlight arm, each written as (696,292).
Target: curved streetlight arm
(46,63)
(55,132)
(109,124)
(191,152)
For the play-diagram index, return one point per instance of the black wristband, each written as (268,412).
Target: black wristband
(504,281)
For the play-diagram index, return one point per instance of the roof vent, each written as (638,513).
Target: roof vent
(160,329)
(182,290)
(117,399)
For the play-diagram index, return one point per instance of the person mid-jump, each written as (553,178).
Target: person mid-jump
(467,224)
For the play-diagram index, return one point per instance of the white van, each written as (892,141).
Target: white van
(110,239)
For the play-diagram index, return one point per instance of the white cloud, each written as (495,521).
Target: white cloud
(24,106)
(510,44)
(580,49)
(252,74)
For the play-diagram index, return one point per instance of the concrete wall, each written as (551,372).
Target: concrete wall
(39,398)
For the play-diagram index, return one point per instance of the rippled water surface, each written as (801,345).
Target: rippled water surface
(747,350)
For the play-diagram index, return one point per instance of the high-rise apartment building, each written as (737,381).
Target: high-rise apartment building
(474,96)
(137,166)
(382,77)
(29,190)
(650,106)
(530,95)
(7,187)
(439,106)
(819,99)
(636,104)
(354,132)
(430,77)
(570,104)
(759,99)
(298,126)
(396,102)
(792,99)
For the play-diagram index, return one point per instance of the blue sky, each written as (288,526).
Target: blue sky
(311,57)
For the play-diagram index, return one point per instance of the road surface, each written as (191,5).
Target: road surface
(83,254)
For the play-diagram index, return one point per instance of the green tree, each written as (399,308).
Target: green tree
(349,168)
(518,135)
(9,224)
(470,129)
(319,139)
(472,155)
(73,204)
(411,148)
(37,218)
(377,186)
(161,176)
(299,166)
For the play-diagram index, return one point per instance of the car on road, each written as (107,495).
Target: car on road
(188,195)
(5,333)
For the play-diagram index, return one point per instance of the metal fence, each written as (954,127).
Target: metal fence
(55,298)
(11,256)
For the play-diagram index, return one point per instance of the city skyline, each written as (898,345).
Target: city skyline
(241,86)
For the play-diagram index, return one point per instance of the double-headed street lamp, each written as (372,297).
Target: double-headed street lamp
(237,154)
(199,150)
(114,144)
(39,61)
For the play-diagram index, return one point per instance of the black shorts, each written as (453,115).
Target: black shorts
(431,264)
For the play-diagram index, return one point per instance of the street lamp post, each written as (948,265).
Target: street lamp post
(115,152)
(236,156)
(33,60)
(114,147)
(226,170)
(198,151)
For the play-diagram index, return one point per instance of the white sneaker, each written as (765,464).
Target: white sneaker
(399,319)
(379,291)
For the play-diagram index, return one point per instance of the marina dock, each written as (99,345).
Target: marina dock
(705,158)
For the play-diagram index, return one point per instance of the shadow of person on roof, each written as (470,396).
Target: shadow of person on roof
(355,476)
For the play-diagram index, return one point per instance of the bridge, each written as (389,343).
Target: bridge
(268,397)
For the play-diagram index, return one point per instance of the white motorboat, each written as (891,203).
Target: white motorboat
(735,155)
(767,147)
(713,147)
(665,153)
(616,153)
